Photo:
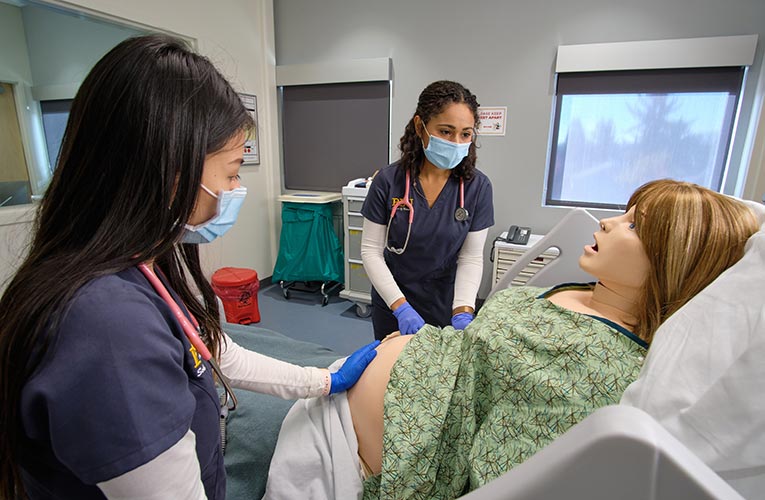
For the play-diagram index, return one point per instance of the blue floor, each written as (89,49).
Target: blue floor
(302,317)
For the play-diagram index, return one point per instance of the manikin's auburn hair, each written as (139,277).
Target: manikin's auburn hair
(433,100)
(691,235)
(126,181)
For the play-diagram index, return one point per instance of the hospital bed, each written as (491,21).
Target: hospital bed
(568,237)
(617,452)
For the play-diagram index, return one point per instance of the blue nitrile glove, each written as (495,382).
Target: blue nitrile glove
(408,320)
(461,320)
(348,374)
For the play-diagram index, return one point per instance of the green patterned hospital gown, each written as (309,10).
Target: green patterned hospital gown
(462,408)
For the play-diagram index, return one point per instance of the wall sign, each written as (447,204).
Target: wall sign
(492,120)
(251,149)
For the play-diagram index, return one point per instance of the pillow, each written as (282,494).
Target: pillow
(703,376)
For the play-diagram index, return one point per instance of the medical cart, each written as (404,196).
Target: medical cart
(505,254)
(358,288)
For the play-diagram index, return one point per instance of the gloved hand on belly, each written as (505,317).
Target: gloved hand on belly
(348,374)
(409,321)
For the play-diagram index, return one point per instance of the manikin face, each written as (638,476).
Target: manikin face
(453,124)
(617,258)
(220,173)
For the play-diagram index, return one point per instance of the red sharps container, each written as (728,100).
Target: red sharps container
(238,290)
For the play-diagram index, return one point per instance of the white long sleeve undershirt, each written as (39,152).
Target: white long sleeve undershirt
(173,474)
(469,265)
(469,269)
(372,246)
(255,372)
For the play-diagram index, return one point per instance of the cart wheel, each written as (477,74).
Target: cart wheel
(363,310)
(286,293)
(324,300)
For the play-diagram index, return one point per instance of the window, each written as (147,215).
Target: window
(54,117)
(14,179)
(615,130)
(47,51)
(335,121)
(334,132)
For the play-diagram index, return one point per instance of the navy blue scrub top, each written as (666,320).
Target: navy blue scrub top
(426,270)
(119,385)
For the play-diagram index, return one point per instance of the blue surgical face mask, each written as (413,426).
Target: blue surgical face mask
(229,203)
(445,154)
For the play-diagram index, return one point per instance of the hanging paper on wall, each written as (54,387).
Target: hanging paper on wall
(492,120)
(251,149)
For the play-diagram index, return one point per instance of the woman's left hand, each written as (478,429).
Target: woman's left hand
(462,320)
(348,374)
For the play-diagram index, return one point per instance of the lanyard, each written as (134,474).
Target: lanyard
(191,331)
(461,214)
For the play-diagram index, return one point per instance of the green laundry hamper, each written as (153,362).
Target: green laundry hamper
(309,249)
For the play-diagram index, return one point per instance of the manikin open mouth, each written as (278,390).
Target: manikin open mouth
(595,247)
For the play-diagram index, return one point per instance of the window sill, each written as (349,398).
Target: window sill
(19,214)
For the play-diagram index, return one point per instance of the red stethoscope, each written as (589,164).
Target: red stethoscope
(192,332)
(461,214)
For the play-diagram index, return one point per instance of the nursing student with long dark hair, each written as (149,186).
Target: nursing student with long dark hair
(426,218)
(106,354)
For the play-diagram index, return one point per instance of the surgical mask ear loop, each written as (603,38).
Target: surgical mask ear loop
(430,136)
(209,191)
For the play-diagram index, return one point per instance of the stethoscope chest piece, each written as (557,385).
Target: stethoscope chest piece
(461,214)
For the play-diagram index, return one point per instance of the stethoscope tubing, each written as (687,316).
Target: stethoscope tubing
(191,331)
(403,201)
